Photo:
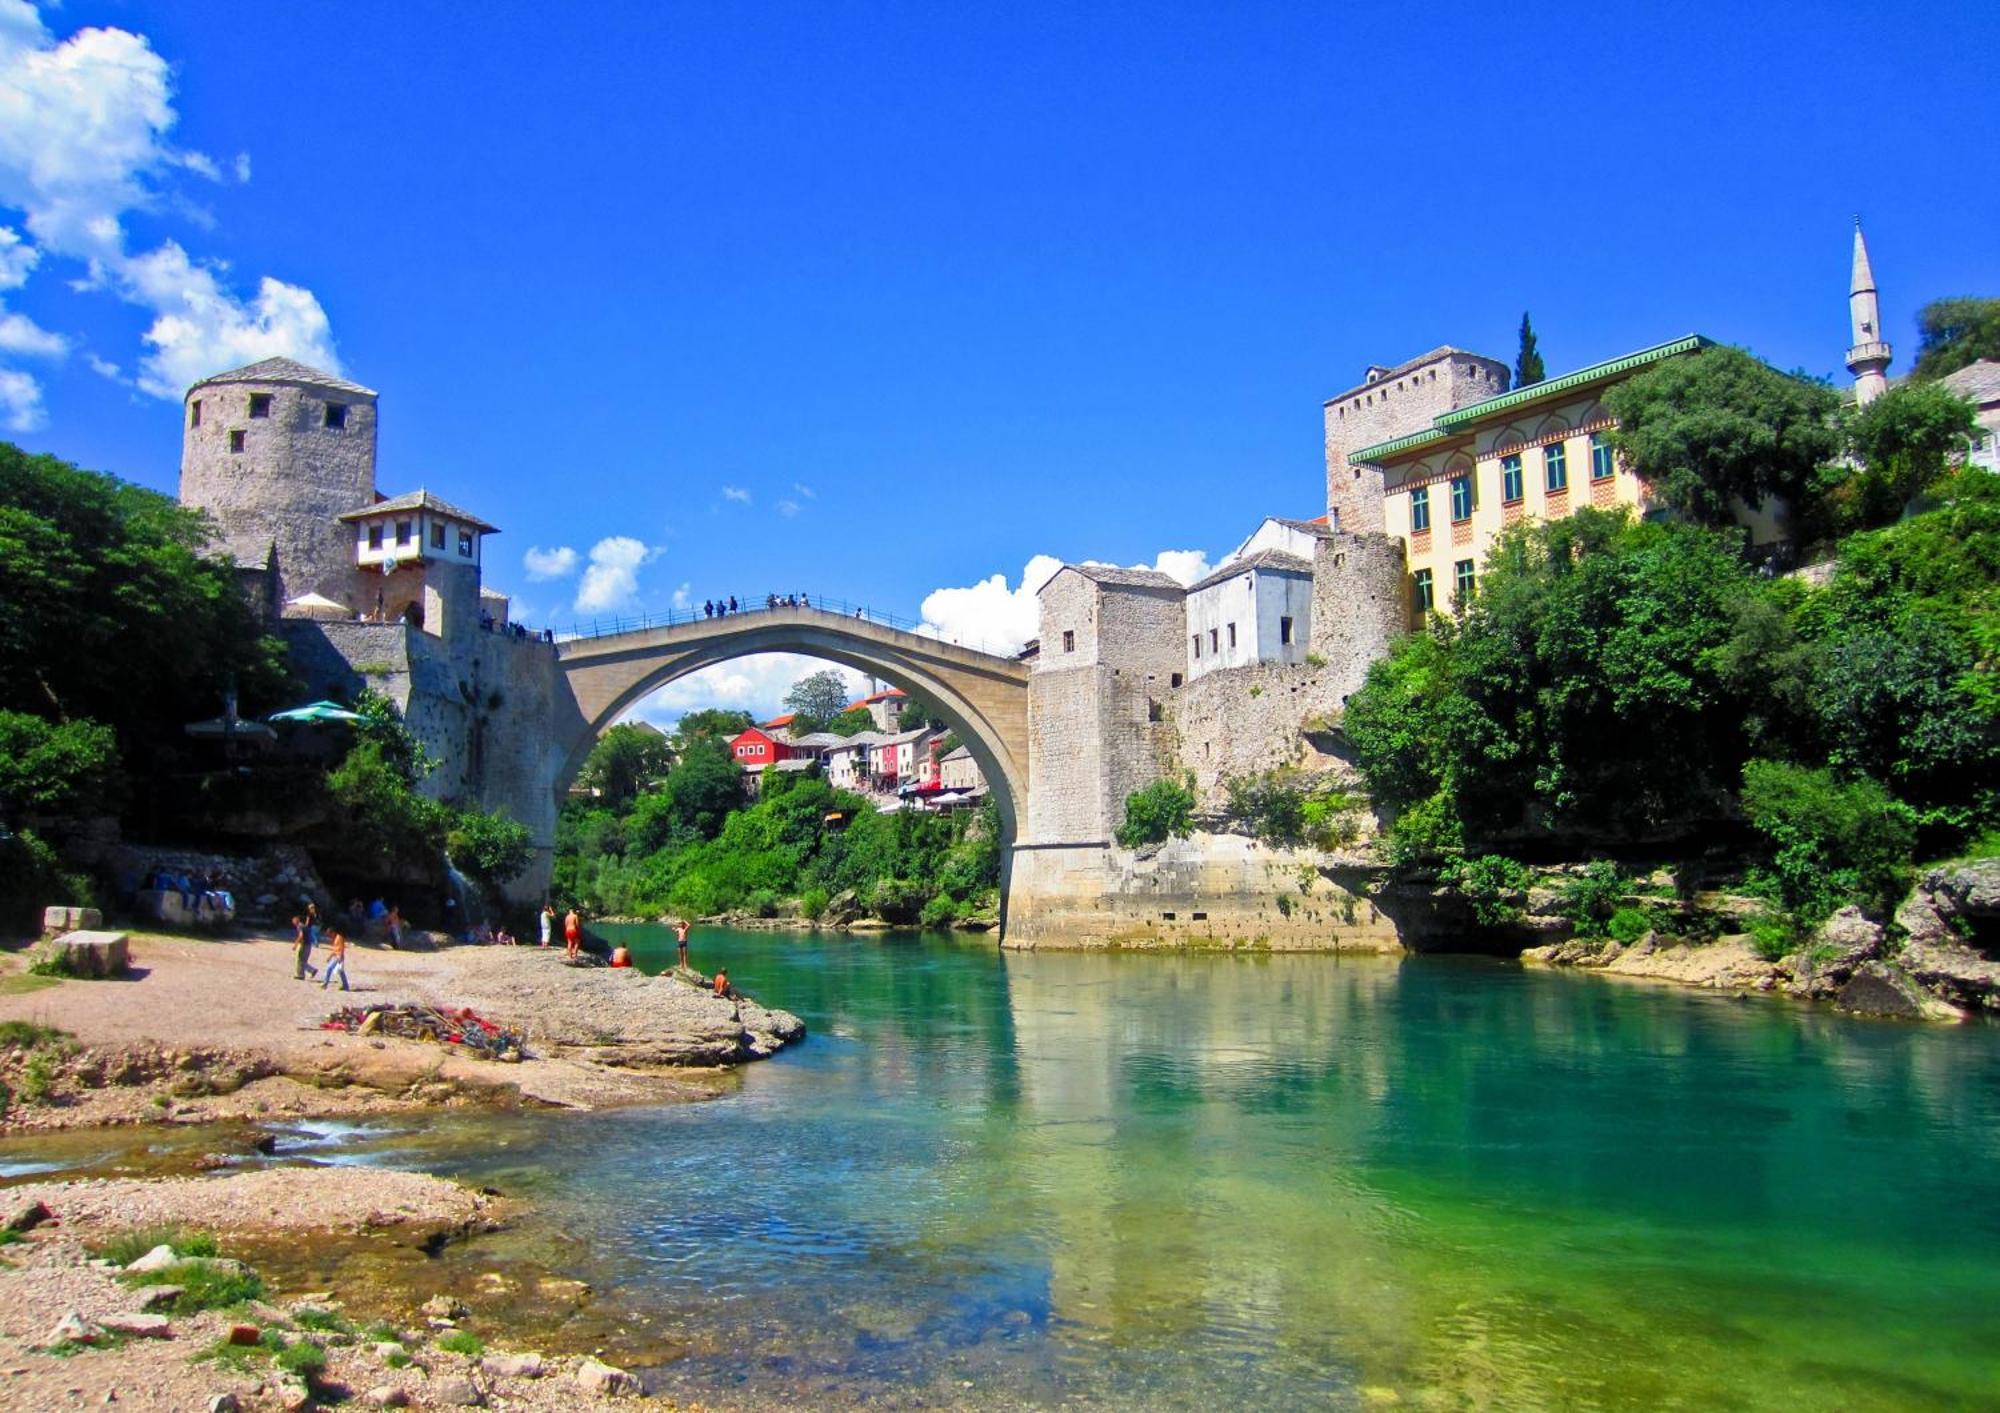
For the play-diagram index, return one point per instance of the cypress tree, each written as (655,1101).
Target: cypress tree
(1528,363)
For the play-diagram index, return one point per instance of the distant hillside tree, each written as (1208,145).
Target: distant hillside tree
(627,759)
(1528,360)
(710,723)
(852,723)
(816,700)
(1954,333)
(1905,441)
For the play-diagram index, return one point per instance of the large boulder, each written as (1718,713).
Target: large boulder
(93,953)
(59,920)
(1843,942)
(1878,989)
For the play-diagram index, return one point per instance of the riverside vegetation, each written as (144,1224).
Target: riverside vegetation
(1648,688)
(668,832)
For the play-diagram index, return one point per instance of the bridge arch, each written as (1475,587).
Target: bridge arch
(983,697)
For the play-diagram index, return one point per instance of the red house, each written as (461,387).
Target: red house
(759,746)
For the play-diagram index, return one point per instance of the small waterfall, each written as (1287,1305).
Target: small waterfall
(470,900)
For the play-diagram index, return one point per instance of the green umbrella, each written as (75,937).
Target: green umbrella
(317,711)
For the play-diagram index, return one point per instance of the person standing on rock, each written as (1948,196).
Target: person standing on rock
(336,960)
(681,941)
(572,935)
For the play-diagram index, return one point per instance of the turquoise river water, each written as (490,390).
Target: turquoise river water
(1217,1181)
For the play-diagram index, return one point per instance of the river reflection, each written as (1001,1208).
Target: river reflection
(1181,1182)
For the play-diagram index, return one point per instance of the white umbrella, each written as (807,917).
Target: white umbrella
(315,606)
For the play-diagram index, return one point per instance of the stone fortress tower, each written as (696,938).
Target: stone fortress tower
(1392,402)
(1868,358)
(274,452)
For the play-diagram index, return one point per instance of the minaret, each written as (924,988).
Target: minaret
(1869,358)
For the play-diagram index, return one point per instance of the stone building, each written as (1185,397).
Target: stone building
(1979,384)
(1387,403)
(1256,608)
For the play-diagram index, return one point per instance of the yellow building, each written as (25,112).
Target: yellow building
(1538,452)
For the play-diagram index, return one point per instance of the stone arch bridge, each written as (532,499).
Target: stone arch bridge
(983,697)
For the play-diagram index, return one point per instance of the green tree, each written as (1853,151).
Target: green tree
(711,722)
(1829,841)
(382,723)
(1715,427)
(491,847)
(625,759)
(1905,441)
(816,700)
(1158,812)
(1528,367)
(919,710)
(694,799)
(1954,333)
(49,767)
(852,723)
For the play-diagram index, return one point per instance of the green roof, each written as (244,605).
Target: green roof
(1443,425)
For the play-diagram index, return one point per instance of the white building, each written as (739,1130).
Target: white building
(1257,608)
(1979,384)
(957,770)
(847,763)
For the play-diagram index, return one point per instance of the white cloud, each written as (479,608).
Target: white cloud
(737,494)
(104,368)
(683,597)
(756,684)
(788,508)
(803,491)
(1001,618)
(20,401)
(20,334)
(611,581)
(557,563)
(84,142)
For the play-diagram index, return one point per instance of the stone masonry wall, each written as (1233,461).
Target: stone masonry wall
(1247,720)
(292,477)
(1360,607)
(1403,400)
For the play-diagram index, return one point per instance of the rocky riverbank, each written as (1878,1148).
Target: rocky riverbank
(211,1030)
(1930,964)
(151,1295)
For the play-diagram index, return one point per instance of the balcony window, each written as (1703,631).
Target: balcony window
(402,532)
(465,544)
(374,537)
(437,534)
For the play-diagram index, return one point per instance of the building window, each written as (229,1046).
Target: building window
(465,544)
(1214,641)
(336,415)
(374,537)
(260,404)
(1461,499)
(1284,630)
(236,440)
(1197,647)
(1555,467)
(194,413)
(437,534)
(1601,464)
(402,532)
(1069,640)
(1462,590)
(1232,637)
(1174,680)
(1426,591)
(1420,508)
(1510,479)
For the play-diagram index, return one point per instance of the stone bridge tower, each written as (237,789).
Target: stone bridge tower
(274,452)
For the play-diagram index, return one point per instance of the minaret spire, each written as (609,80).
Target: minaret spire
(1868,359)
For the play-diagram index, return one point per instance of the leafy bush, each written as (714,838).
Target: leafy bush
(1771,935)
(204,1285)
(897,899)
(1628,925)
(812,903)
(941,911)
(462,1342)
(1828,841)
(302,1358)
(26,1035)
(763,902)
(49,767)
(310,1317)
(128,1246)
(1160,811)
(32,878)
(38,1076)
(1589,899)
(1494,884)
(491,847)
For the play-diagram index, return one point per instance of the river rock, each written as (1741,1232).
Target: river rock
(457,1393)
(225,1403)
(515,1366)
(71,1329)
(294,1396)
(598,1377)
(386,1396)
(443,1307)
(139,1326)
(1878,989)
(159,1297)
(158,1259)
(25,1216)
(1953,971)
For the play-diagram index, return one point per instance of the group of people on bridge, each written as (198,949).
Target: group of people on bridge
(722,608)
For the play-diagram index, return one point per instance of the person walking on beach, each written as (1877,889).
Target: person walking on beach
(681,940)
(572,934)
(336,960)
(301,949)
(548,922)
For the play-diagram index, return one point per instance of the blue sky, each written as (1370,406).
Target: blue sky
(874,300)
